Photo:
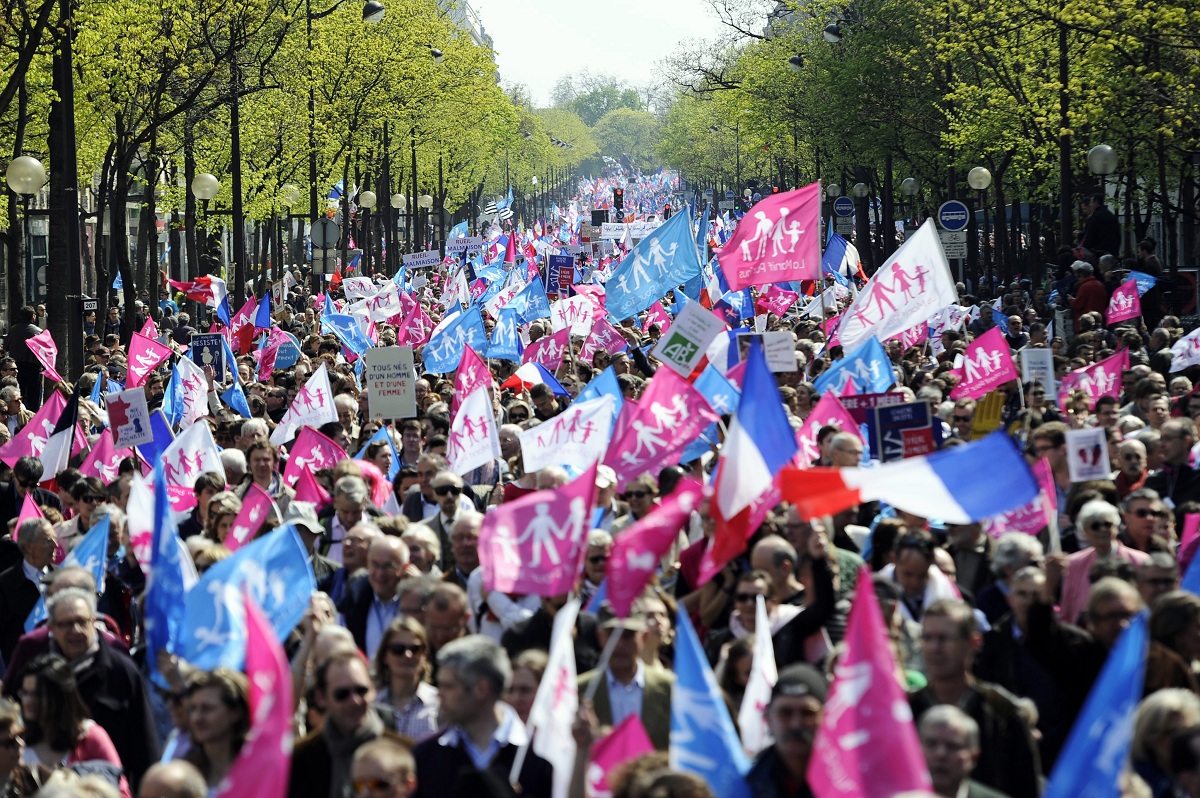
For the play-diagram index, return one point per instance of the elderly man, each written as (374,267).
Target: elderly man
(510,440)
(322,761)
(347,413)
(108,680)
(1100,523)
(447,614)
(13,414)
(1131,465)
(21,585)
(793,716)
(1014,551)
(595,563)
(464,545)
(950,740)
(371,601)
(262,459)
(1176,480)
(448,489)
(608,507)
(1008,757)
(626,686)
(775,556)
(1141,513)
(484,734)
(233,462)
(1157,575)
(351,504)
(26,474)
(354,559)
(254,429)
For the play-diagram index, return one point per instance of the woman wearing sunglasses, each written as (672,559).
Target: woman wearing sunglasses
(402,671)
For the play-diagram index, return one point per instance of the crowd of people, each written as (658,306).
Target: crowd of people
(411,678)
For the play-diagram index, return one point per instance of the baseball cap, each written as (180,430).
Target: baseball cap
(607,619)
(605,477)
(800,680)
(303,515)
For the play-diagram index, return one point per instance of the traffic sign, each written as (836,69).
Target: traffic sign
(729,195)
(954,215)
(325,233)
(954,243)
(843,206)
(843,226)
(708,193)
(725,205)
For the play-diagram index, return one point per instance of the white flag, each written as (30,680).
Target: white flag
(474,440)
(913,286)
(557,701)
(358,287)
(574,439)
(190,455)
(1186,351)
(195,391)
(313,406)
(576,313)
(752,717)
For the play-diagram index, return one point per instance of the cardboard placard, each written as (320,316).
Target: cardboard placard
(391,380)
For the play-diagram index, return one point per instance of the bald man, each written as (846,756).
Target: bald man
(372,601)
(777,557)
(174,779)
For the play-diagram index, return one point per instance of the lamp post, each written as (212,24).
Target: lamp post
(367,201)
(398,202)
(980,179)
(910,187)
(25,176)
(861,191)
(204,187)
(290,196)
(424,203)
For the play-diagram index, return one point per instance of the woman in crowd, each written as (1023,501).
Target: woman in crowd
(402,671)
(223,508)
(528,669)
(1159,717)
(219,719)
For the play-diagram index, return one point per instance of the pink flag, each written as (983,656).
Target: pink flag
(145,354)
(266,361)
(628,740)
(593,292)
(1029,518)
(1096,380)
(657,314)
(828,412)
(312,451)
(43,348)
(263,765)
(987,364)
(31,439)
(867,745)
(535,545)
(776,300)
(1045,479)
(603,338)
(549,350)
(1125,304)
(638,549)
(778,241)
(149,329)
(913,336)
(1189,541)
(104,459)
(29,509)
(472,373)
(256,505)
(671,414)
(241,326)
(737,375)
(309,490)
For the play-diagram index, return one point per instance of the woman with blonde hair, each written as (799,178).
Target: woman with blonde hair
(223,508)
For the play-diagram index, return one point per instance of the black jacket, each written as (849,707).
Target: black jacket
(10,502)
(15,344)
(443,770)
(534,632)
(18,595)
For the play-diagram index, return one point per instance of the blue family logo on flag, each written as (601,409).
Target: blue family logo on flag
(662,260)
(346,329)
(275,570)
(531,302)
(506,343)
(719,392)
(703,740)
(445,349)
(736,307)
(868,366)
(1144,281)
(91,553)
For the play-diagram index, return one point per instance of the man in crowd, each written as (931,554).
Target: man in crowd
(950,740)
(793,716)
(371,601)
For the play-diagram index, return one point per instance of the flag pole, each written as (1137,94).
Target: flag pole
(605,656)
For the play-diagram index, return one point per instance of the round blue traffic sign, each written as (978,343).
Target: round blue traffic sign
(954,216)
(708,192)
(729,195)
(843,206)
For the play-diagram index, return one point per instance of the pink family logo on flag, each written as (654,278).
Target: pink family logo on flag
(145,355)
(104,459)
(46,351)
(311,452)
(628,740)
(472,373)
(776,300)
(778,241)
(829,411)
(534,545)
(1125,304)
(913,336)
(1096,380)
(574,438)
(986,365)
(575,314)
(671,413)
(657,314)
(549,350)
(256,505)
(603,338)
(638,549)
(474,440)
(194,386)
(866,746)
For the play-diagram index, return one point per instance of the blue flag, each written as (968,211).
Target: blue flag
(709,437)
(531,302)
(345,328)
(702,236)
(721,394)
(235,397)
(831,259)
(167,583)
(118,281)
(163,437)
(605,384)
(382,436)
(172,403)
(703,740)
(96,393)
(736,307)
(458,231)
(868,366)
(446,346)
(91,553)
(275,569)
(262,316)
(36,615)
(506,344)
(662,260)
(1144,281)
(1096,750)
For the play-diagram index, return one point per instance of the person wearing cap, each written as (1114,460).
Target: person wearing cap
(608,507)
(1089,296)
(793,716)
(626,686)
(303,516)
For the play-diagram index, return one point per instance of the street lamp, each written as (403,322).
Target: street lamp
(25,176)
(832,33)
(796,63)
(204,187)
(860,190)
(833,190)
(373,11)
(289,195)
(1102,161)
(980,179)
(367,201)
(910,187)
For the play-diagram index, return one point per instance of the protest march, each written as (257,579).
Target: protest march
(686,504)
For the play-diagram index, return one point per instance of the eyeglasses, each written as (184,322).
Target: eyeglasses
(403,649)
(637,494)
(93,499)
(744,598)
(343,693)
(1143,512)
(1096,526)
(1037,393)
(518,417)
(599,558)
(26,485)
(12,743)
(375,785)
(447,490)
(962,419)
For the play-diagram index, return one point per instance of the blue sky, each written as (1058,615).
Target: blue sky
(538,41)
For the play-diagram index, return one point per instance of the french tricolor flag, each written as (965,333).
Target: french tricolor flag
(760,441)
(961,485)
(531,374)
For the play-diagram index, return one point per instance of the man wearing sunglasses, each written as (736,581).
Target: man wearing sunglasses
(26,474)
(321,762)
(448,489)
(88,493)
(1142,513)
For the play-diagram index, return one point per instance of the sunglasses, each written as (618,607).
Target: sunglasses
(961,419)
(637,494)
(403,649)
(517,417)
(599,558)
(12,743)
(343,693)
(26,485)
(1096,526)
(743,598)
(374,785)
(93,499)
(447,490)
(1144,513)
